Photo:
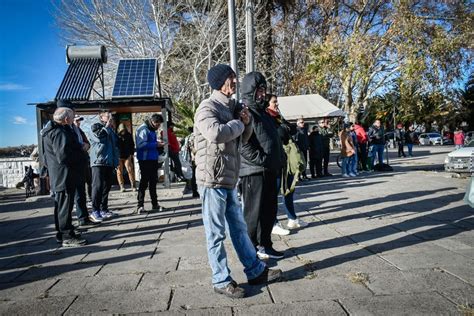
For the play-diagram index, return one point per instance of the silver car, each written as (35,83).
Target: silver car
(461,160)
(430,139)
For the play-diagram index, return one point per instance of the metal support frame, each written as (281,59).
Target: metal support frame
(100,76)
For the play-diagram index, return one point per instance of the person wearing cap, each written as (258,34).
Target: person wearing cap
(220,126)
(147,155)
(126,150)
(347,150)
(63,156)
(104,156)
(263,158)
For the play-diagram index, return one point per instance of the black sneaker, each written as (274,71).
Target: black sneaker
(273,254)
(74,242)
(267,276)
(85,222)
(157,207)
(232,290)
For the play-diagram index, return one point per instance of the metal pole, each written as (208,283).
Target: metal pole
(166,165)
(249,37)
(233,42)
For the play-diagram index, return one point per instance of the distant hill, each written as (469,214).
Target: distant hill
(17,151)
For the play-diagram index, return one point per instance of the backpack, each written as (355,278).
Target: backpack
(296,164)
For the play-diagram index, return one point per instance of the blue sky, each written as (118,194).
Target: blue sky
(32,65)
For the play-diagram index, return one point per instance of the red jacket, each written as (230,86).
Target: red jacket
(458,138)
(361,134)
(172,141)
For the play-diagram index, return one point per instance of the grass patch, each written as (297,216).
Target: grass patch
(359,277)
(466,309)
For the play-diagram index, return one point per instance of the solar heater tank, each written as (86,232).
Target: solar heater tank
(86,52)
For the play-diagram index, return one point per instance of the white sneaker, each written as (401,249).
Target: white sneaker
(296,223)
(261,254)
(345,175)
(140,210)
(352,174)
(278,230)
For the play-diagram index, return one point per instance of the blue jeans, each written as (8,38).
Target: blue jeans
(410,149)
(287,200)
(220,211)
(353,163)
(346,165)
(377,149)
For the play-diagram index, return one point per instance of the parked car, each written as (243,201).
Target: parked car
(461,160)
(448,141)
(430,139)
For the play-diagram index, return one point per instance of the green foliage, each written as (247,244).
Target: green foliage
(184,118)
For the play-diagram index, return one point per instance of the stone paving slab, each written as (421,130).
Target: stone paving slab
(317,307)
(400,304)
(123,302)
(43,306)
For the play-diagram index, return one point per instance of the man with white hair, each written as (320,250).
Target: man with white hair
(63,156)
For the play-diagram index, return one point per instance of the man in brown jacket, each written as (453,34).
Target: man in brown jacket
(347,150)
(220,126)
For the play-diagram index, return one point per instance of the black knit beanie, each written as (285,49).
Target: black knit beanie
(217,75)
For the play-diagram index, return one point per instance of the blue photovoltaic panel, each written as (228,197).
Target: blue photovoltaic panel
(135,77)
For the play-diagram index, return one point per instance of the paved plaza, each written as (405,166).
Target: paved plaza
(388,243)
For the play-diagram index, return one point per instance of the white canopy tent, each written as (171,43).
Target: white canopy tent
(308,106)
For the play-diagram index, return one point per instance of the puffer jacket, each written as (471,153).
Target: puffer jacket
(104,150)
(147,145)
(264,150)
(62,155)
(217,135)
(376,135)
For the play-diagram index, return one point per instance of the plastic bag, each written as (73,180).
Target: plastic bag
(469,196)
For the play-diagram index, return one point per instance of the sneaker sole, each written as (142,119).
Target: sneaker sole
(240,295)
(95,220)
(263,256)
(74,245)
(275,257)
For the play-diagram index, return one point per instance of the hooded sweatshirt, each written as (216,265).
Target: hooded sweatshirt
(264,150)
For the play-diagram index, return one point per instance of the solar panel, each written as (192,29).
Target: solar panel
(135,77)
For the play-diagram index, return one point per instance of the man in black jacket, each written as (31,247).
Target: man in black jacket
(302,141)
(326,135)
(316,153)
(64,158)
(262,159)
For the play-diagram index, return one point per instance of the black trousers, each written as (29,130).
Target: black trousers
(148,179)
(80,195)
(363,155)
(305,155)
(260,201)
(101,183)
(326,154)
(194,186)
(401,152)
(176,164)
(316,166)
(63,204)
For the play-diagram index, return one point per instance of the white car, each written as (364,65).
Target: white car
(461,160)
(430,139)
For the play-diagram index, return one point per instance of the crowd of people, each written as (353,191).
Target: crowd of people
(82,166)
(242,157)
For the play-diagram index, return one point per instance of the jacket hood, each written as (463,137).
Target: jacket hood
(251,82)
(48,128)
